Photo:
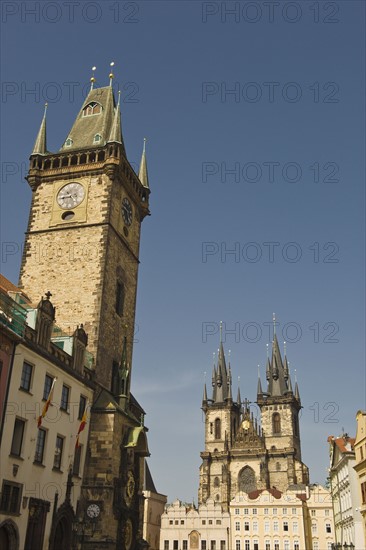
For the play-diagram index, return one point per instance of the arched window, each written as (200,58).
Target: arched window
(246,480)
(217,428)
(97,138)
(92,108)
(68,142)
(276,423)
(216,482)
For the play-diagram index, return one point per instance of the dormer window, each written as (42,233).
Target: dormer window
(97,138)
(92,108)
(68,142)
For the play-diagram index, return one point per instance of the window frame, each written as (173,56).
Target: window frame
(62,402)
(22,386)
(15,445)
(45,392)
(57,459)
(10,500)
(37,459)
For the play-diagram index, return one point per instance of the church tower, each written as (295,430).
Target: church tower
(83,235)
(244,453)
(280,407)
(82,243)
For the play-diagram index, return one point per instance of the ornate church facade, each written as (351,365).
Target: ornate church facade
(242,453)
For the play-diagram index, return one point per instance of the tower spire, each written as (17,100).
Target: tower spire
(143,175)
(115,134)
(40,145)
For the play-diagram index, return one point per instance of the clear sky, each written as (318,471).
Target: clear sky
(255,126)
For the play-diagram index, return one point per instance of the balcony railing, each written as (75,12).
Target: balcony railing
(12,315)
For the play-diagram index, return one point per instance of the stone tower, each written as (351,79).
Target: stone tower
(242,454)
(82,243)
(280,407)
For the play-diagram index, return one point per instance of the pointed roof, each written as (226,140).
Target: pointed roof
(238,399)
(98,116)
(221,379)
(115,134)
(204,399)
(277,373)
(143,175)
(40,145)
(259,387)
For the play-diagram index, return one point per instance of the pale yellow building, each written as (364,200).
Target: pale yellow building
(360,464)
(298,519)
(185,527)
(41,467)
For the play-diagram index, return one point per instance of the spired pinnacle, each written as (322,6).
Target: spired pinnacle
(143,175)
(40,145)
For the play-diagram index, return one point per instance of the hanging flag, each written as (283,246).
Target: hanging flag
(82,425)
(46,405)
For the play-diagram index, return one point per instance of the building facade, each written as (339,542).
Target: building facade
(82,242)
(41,463)
(360,463)
(242,453)
(254,491)
(345,492)
(185,527)
(154,508)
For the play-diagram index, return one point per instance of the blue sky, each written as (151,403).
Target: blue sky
(255,127)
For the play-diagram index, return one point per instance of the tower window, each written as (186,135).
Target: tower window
(276,423)
(217,428)
(216,482)
(97,138)
(92,108)
(120,298)
(68,142)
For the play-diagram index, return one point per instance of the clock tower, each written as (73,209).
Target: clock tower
(82,243)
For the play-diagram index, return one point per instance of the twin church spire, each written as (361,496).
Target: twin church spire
(97,124)
(278,377)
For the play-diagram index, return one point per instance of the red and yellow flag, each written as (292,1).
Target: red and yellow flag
(46,405)
(82,425)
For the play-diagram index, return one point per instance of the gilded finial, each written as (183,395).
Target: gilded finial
(213,357)
(144,147)
(274,323)
(45,108)
(220,332)
(284,348)
(295,376)
(229,355)
(119,98)
(111,75)
(267,346)
(92,79)
(259,373)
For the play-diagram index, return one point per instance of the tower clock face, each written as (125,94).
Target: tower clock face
(126,211)
(70,195)
(93,510)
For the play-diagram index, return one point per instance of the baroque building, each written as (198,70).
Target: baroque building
(82,243)
(360,463)
(345,492)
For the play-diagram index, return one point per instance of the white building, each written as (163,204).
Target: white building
(345,492)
